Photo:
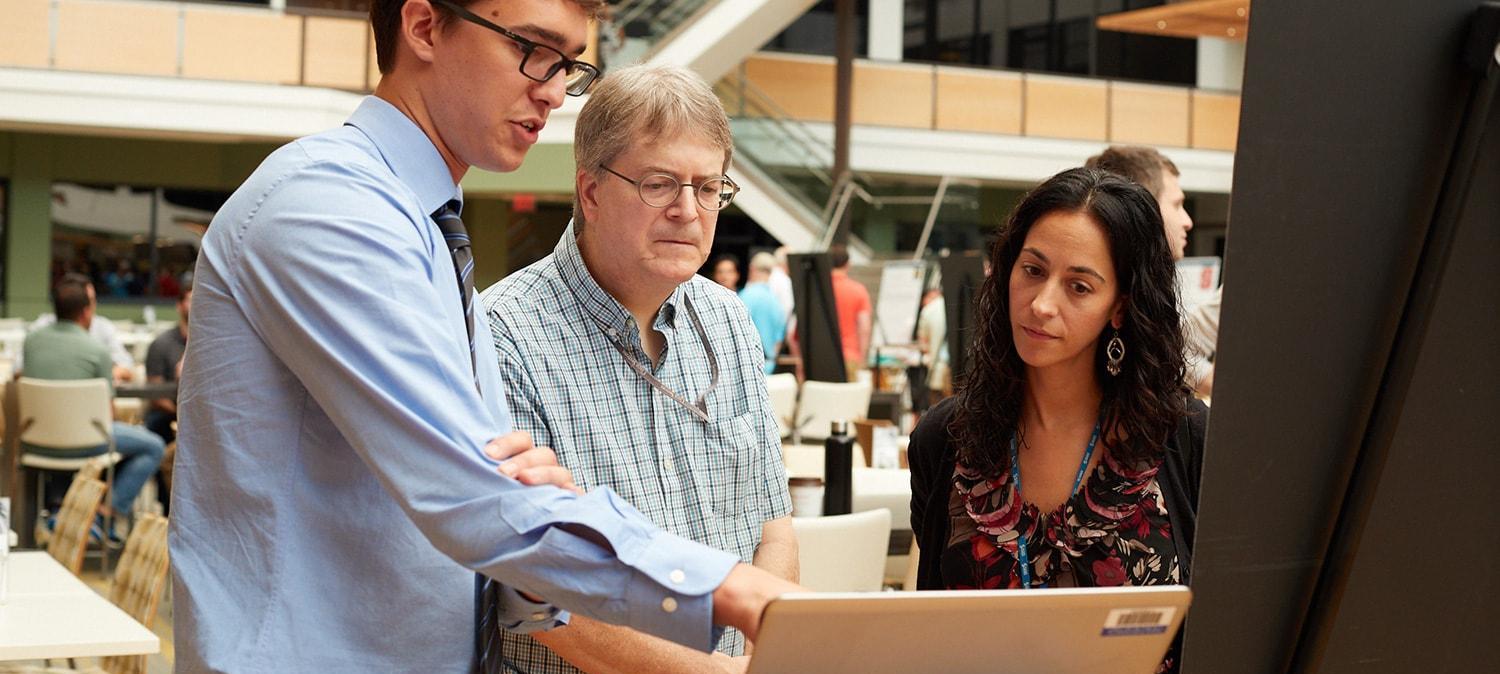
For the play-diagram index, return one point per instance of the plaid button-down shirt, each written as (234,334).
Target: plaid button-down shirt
(716,483)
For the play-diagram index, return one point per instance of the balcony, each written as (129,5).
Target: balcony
(189,40)
(945,98)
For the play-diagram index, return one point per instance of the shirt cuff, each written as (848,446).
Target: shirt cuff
(518,614)
(673,599)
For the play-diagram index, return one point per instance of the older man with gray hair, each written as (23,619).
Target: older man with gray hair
(643,376)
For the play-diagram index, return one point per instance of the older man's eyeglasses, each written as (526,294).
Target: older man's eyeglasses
(539,62)
(659,190)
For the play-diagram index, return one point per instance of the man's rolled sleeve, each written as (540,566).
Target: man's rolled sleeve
(681,609)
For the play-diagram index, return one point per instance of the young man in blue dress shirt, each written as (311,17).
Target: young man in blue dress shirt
(336,478)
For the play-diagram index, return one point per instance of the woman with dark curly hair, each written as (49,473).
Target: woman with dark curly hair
(1074,385)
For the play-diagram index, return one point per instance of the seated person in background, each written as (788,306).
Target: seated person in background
(1076,386)
(101,329)
(643,376)
(65,351)
(766,312)
(162,361)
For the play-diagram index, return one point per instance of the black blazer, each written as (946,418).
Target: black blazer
(932,453)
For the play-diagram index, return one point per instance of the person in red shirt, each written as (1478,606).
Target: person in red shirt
(853,302)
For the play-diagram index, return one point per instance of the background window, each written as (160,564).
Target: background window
(138,244)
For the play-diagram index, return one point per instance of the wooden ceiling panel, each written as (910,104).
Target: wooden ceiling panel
(1188,18)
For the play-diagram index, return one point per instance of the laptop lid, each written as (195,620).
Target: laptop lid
(1123,630)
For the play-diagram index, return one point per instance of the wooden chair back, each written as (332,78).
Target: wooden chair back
(70,534)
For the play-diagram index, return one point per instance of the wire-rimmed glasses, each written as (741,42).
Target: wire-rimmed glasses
(659,190)
(539,62)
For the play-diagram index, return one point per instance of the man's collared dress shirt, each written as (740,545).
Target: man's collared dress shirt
(716,483)
(332,495)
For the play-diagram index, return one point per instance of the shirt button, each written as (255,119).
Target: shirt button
(678,576)
(669,605)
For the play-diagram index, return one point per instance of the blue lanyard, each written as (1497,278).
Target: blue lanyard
(1023,557)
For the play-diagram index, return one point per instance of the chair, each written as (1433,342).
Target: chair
(65,415)
(824,401)
(782,388)
(843,553)
(70,533)
(138,584)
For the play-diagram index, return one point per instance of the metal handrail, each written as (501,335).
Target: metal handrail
(661,19)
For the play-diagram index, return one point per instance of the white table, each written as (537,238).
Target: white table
(873,487)
(50,613)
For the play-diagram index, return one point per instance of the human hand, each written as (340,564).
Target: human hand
(741,599)
(528,464)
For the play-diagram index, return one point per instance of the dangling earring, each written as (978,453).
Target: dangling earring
(1114,351)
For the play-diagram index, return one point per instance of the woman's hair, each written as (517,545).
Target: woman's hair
(1148,398)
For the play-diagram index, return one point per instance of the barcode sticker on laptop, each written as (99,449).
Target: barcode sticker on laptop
(1131,622)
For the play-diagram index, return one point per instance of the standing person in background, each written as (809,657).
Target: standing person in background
(337,484)
(854,309)
(932,340)
(766,312)
(1148,168)
(781,287)
(726,271)
(781,282)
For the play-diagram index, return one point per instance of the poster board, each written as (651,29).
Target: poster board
(900,300)
(1197,279)
(817,317)
(1353,432)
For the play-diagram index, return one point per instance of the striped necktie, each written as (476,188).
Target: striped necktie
(487,635)
(457,238)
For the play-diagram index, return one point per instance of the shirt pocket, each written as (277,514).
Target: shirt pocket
(733,485)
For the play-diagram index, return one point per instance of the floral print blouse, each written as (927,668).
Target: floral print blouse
(1113,531)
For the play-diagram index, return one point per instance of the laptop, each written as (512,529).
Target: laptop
(1122,630)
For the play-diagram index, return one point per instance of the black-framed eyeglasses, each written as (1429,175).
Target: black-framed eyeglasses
(659,190)
(539,62)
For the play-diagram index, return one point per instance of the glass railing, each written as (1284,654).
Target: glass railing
(916,219)
(636,27)
(784,148)
(887,218)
